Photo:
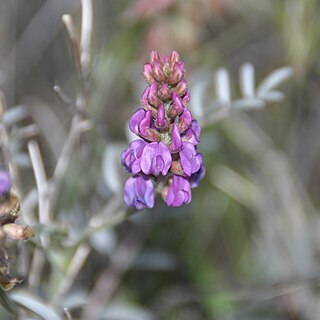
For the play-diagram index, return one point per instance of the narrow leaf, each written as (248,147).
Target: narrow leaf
(273,80)
(246,80)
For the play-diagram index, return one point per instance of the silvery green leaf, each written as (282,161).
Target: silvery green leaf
(248,104)
(33,304)
(75,299)
(222,83)
(111,167)
(103,241)
(246,80)
(14,115)
(273,80)
(196,103)
(273,96)
(123,311)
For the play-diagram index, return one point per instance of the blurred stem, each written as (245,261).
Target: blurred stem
(75,266)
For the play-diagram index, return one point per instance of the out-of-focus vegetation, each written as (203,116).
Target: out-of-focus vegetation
(247,247)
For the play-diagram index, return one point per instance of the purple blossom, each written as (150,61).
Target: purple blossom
(166,157)
(139,192)
(5,182)
(179,192)
(190,160)
(156,159)
(131,157)
(197,176)
(193,133)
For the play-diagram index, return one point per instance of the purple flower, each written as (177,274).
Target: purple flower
(197,176)
(156,159)
(5,182)
(140,124)
(193,133)
(139,192)
(166,159)
(185,119)
(131,157)
(179,192)
(190,160)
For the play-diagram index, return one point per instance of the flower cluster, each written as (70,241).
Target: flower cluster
(165,158)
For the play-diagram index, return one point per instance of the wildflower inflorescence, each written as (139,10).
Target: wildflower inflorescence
(165,159)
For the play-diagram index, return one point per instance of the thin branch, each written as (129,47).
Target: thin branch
(74,41)
(86,35)
(75,266)
(41,182)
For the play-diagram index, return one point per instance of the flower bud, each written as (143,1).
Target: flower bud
(177,73)
(153,95)
(181,88)
(17,232)
(161,120)
(158,72)
(174,57)
(176,142)
(186,98)
(147,72)
(164,92)
(184,120)
(177,106)
(154,57)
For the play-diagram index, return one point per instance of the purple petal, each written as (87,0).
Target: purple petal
(179,192)
(175,139)
(193,133)
(155,159)
(145,123)
(190,161)
(177,104)
(161,121)
(158,72)
(147,157)
(181,88)
(5,182)
(166,156)
(185,120)
(130,157)
(136,119)
(197,177)
(139,192)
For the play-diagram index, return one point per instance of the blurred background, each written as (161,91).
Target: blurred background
(247,247)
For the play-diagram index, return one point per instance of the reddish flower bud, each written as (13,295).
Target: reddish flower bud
(181,88)
(154,57)
(158,72)
(176,142)
(177,73)
(177,106)
(174,57)
(184,120)
(153,95)
(17,232)
(186,98)
(147,72)
(164,92)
